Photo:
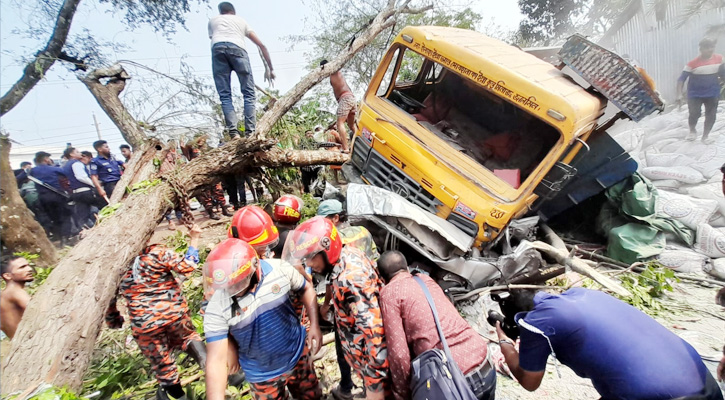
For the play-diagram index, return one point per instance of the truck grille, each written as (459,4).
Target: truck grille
(382,173)
(464,224)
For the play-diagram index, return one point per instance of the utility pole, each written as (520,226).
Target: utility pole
(98,130)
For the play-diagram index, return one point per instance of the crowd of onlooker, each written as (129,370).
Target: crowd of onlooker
(65,195)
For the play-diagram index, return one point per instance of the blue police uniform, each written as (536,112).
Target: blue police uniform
(54,204)
(108,172)
(84,196)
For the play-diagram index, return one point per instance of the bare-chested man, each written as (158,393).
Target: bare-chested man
(16,271)
(346,105)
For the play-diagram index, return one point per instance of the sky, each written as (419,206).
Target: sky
(60,109)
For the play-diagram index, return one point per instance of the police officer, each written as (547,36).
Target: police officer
(53,199)
(84,193)
(106,167)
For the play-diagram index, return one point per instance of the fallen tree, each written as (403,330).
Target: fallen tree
(20,231)
(55,346)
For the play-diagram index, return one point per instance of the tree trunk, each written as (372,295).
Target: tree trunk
(55,347)
(107,97)
(44,59)
(276,157)
(20,231)
(140,168)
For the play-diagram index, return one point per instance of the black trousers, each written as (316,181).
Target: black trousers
(57,210)
(308,175)
(109,187)
(235,187)
(84,201)
(694,106)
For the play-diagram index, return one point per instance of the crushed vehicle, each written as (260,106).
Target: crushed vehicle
(465,143)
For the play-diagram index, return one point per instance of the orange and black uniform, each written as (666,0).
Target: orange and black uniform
(159,315)
(355,295)
(210,194)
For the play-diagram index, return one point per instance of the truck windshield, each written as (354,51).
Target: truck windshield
(498,135)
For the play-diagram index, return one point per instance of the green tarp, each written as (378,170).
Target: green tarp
(630,223)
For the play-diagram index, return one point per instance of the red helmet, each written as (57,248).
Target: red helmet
(288,208)
(255,227)
(230,265)
(313,236)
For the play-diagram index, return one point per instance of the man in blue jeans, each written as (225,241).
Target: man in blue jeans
(227,32)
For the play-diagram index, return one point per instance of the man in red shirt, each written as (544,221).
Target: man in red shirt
(409,325)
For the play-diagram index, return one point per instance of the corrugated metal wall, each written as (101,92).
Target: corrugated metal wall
(659,47)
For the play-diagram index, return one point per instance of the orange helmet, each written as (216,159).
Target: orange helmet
(313,236)
(230,266)
(287,209)
(255,227)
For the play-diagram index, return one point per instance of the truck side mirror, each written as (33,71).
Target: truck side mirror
(557,178)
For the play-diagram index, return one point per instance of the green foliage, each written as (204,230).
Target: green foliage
(310,208)
(648,286)
(108,211)
(351,17)
(53,393)
(548,20)
(116,367)
(179,242)
(144,186)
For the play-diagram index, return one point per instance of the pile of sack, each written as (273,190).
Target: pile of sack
(674,209)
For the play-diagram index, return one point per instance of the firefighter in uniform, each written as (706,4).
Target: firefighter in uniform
(316,243)
(160,320)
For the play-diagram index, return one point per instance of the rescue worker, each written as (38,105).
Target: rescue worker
(251,303)
(287,213)
(212,193)
(317,244)
(360,238)
(357,236)
(254,226)
(160,320)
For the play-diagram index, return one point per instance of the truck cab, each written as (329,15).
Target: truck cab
(466,127)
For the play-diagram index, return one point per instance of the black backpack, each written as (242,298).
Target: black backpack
(435,375)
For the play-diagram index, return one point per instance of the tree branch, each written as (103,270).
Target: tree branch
(44,59)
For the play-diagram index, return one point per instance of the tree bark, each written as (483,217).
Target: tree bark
(276,157)
(140,168)
(44,59)
(20,231)
(107,97)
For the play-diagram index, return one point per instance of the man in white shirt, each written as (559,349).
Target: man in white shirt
(84,189)
(227,32)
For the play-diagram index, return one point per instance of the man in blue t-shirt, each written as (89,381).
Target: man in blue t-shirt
(258,314)
(106,168)
(625,353)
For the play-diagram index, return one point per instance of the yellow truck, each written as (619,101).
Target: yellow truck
(474,131)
